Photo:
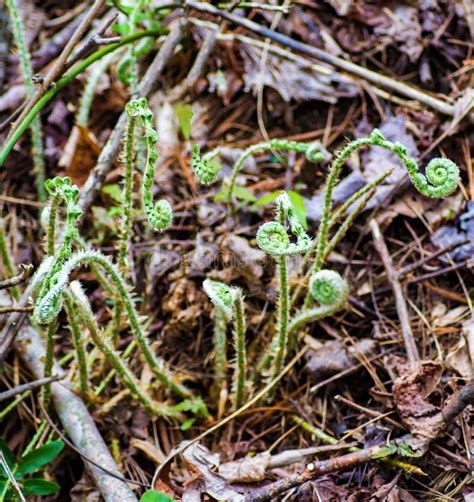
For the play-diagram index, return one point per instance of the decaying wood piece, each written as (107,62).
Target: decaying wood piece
(76,420)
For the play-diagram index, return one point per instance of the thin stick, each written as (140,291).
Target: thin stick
(413,355)
(458,402)
(28,386)
(316,469)
(76,420)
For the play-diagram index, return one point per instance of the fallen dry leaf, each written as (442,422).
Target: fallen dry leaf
(410,392)
(80,154)
(246,470)
(201,464)
(333,357)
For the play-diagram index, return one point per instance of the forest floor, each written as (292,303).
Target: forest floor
(371,402)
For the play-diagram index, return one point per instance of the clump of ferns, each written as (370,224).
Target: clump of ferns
(327,292)
(52,287)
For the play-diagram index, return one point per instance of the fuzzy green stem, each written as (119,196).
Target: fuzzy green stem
(127,197)
(63,82)
(105,382)
(78,300)
(47,309)
(78,340)
(97,71)
(442,176)
(240,351)
(283,306)
(52,219)
(220,348)
(49,360)
(26,69)
(313,152)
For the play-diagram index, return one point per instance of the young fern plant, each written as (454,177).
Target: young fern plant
(58,189)
(328,288)
(229,305)
(159,215)
(48,306)
(440,180)
(273,238)
(208,171)
(52,278)
(205,169)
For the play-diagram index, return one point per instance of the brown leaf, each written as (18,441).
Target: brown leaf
(201,464)
(80,154)
(333,357)
(461,355)
(410,392)
(246,470)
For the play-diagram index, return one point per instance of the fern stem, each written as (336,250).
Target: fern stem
(7,260)
(26,69)
(124,245)
(78,340)
(81,305)
(241,360)
(220,348)
(49,360)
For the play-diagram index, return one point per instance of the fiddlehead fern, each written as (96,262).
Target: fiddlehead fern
(229,304)
(330,289)
(159,215)
(273,239)
(205,169)
(442,176)
(222,297)
(49,305)
(272,236)
(60,188)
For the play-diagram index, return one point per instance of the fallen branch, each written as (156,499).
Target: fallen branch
(17,279)
(58,66)
(316,469)
(76,420)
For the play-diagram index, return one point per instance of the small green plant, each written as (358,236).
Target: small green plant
(154,496)
(229,304)
(22,474)
(159,215)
